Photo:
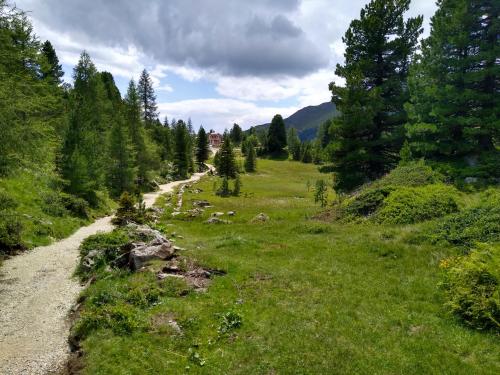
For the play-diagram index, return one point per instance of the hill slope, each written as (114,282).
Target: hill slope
(307,120)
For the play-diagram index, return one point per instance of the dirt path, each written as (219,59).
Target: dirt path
(37,292)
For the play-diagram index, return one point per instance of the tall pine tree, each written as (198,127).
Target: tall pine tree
(147,98)
(455,87)
(53,69)
(276,135)
(226,165)
(369,132)
(202,147)
(181,149)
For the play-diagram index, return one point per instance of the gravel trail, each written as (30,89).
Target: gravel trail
(37,292)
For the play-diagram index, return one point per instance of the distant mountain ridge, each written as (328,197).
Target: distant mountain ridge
(308,120)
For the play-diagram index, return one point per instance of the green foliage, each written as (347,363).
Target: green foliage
(454,106)
(411,174)
(276,136)
(251,158)
(237,186)
(367,201)
(472,287)
(306,153)
(236,135)
(368,134)
(321,193)
(226,163)
(229,321)
(182,156)
(11,229)
(147,98)
(224,190)
(294,144)
(407,205)
(480,223)
(202,147)
(129,211)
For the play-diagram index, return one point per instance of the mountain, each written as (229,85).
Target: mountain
(308,120)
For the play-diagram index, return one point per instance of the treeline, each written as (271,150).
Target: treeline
(438,100)
(88,133)
(85,139)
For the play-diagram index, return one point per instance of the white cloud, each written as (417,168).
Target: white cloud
(219,114)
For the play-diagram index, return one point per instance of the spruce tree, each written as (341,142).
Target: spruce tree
(276,136)
(137,133)
(202,148)
(121,173)
(84,156)
(236,134)
(181,149)
(293,142)
(226,166)
(369,132)
(147,98)
(251,158)
(53,69)
(455,103)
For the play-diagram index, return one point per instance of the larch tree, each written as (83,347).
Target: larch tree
(226,165)
(369,133)
(455,88)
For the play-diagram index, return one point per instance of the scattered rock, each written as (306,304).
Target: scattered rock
(262,218)
(197,191)
(201,203)
(231,213)
(216,220)
(195,212)
(141,255)
(217,214)
(163,276)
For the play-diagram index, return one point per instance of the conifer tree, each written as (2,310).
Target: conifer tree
(181,149)
(121,173)
(226,166)
(202,148)
(53,69)
(147,98)
(251,158)
(83,157)
(137,133)
(293,144)
(455,102)
(236,135)
(369,132)
(276,135)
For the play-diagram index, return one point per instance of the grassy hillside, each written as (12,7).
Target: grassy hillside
(307,120)
(301,295)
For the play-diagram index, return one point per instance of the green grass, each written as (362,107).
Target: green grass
(313,297)
(30,191)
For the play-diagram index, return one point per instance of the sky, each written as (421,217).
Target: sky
(217,62)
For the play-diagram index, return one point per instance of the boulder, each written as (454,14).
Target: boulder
(217,214)
(231,213)
(201,203)
(216,220)
(260,218)
(141,255)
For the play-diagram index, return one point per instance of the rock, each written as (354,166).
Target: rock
(216,220)
(217,214)
(262,218)
(201,203)
(177,248)
(141,255)
(195,212)
(470,180)
(90,259)
(163,276)
(231,213)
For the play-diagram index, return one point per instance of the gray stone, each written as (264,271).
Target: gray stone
(231,213)
(216,220)
(141,255)
(262,218)
(218,214)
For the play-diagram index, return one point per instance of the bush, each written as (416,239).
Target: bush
(6,201)
(77,206)
(52,204)
(476,224)
(11,229)
(128,211)
(472,287)
(411,175)
(110,248)
(407,205)
(367,202)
